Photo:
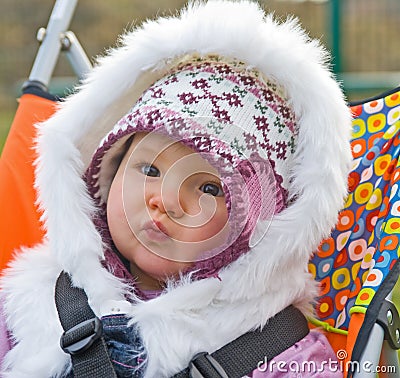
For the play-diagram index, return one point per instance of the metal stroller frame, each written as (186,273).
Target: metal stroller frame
(378,352)
(53,39)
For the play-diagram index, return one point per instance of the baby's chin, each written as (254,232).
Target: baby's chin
(159,268)
(176,250)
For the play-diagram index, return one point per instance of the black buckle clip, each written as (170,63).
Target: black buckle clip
(80,338)
(202,359)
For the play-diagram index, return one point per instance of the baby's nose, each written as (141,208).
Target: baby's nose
(167,201)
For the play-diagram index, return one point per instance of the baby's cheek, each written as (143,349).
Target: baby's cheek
(220,219)
(115,210)
(215,225)
(114,203)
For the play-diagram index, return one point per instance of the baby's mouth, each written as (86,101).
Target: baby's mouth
(156,231)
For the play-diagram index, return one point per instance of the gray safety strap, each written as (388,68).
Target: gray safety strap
(83,340)
(83,332)
(243,355)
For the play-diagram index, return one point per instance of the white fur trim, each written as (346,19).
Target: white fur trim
(200,315)
(28,294)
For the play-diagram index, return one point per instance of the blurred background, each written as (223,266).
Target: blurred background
(362,35)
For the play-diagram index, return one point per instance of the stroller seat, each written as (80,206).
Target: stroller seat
(358,265)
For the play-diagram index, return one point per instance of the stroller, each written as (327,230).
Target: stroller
(357,266)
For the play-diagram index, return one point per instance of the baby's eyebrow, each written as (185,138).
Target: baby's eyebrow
(146,150)
(176,146)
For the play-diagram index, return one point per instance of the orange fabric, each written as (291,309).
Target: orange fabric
(356,321)
(337,341)
(19,221)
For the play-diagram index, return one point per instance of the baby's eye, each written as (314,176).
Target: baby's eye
(213,189)
(150,170)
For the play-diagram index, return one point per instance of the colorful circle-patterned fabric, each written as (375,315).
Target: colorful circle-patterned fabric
(364,246)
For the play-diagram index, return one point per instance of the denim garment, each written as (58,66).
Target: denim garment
(125,347)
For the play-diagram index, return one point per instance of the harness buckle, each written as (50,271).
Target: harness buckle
(202,360)
(81,337)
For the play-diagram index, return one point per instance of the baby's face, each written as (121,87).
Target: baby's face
(165,208)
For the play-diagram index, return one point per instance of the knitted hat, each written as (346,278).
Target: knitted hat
(203,104)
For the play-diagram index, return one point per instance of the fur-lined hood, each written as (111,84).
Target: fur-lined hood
(192,316)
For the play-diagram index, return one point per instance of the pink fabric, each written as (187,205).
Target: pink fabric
(150,294)
(310,357)
(5,342)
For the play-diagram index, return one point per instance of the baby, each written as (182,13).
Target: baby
(184,188)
